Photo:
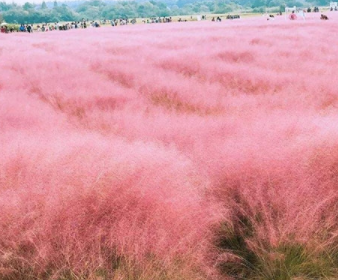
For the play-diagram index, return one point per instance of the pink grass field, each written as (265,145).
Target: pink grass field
(140,152)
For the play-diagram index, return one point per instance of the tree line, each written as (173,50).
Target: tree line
(98,9)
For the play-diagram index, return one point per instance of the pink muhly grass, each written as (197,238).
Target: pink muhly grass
(81,204)
(157,146)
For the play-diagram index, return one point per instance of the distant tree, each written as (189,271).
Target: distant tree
(142,11)
(182,3)
(282,8)
(204,9)
(296,3)
(323,2)
(27,6)
(258,3)
(14,15)
(43,5)
(221,7)
(4,7)
(55,4)
(64,13)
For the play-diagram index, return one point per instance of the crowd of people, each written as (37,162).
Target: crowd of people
(81,24)
(50,26)
(293,15)
(123,21)
(233,16)
(5,29)
(58,26)
(159,20)
(217,19)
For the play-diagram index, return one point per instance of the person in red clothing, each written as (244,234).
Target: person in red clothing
(3,29)
(293,16)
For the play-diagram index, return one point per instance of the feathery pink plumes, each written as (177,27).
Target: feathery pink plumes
(145,148)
